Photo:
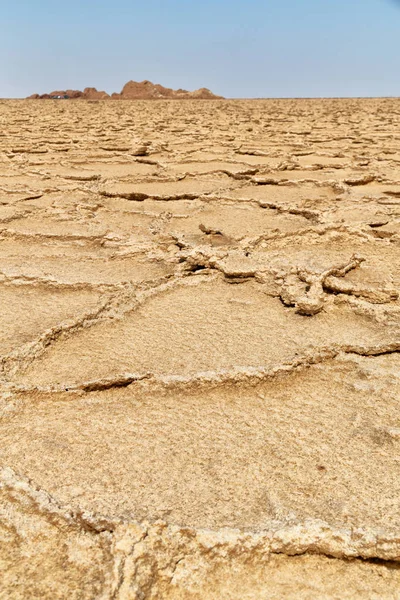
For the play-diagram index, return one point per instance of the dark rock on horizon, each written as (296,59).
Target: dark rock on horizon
(133,90)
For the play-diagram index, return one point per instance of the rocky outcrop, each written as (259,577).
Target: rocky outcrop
(89,93)
(133,90)
(148,90)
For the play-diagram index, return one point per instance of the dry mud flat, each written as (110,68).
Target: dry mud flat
(200,349)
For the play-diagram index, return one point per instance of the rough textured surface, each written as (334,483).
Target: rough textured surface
(200,350)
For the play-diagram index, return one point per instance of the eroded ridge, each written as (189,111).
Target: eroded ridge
(200,349)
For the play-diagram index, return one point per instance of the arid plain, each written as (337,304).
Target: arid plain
(200,349)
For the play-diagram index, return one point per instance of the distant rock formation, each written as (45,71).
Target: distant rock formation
(88,93)
(133,90)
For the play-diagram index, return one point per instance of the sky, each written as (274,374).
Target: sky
(251,48)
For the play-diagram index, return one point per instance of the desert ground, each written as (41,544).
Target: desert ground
(200,349)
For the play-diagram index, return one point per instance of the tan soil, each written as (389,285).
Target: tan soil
(200,369)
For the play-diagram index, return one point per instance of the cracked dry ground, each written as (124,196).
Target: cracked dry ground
(200,349)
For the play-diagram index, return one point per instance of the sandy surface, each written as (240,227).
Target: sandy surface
(200,337)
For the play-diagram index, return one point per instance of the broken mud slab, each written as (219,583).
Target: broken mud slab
(203,327)
(162,210)
(76,560)
(238,221)
(243,455)
(311,576)
(291,175)
(110,558)
(360,214)
(286,196)
(322,161)
(230,168)
(168,190)
(21,323)
(61,226)
(93,271)
(121,170)
(317,250)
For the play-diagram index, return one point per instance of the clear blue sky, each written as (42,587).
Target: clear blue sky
(252,48)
